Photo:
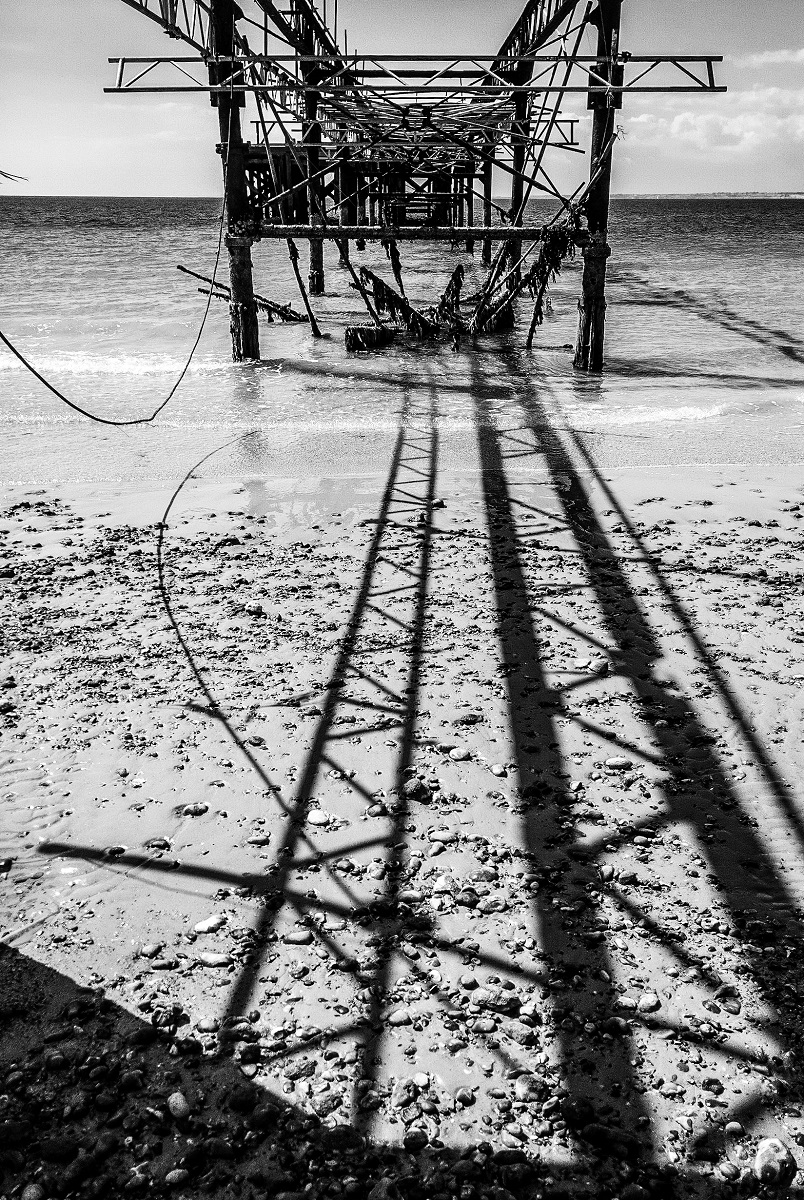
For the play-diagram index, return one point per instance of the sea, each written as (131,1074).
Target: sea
(704,359)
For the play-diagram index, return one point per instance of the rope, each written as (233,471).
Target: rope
(142,420)
(134,420)
(160,562)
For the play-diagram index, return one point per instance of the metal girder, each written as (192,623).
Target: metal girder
(186,20)
(539,20)
(403,233)
(275,74)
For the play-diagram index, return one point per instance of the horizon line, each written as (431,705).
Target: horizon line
(793,193)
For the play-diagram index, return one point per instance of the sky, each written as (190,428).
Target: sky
(66,137)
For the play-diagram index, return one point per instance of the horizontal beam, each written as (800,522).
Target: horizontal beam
(430,58)
(324,90)
(401,233)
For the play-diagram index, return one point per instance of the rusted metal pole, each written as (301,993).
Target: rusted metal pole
(488,179)
(519,151)
(243,321)
(469,204)
(347,202)
(592,304)
(311,139)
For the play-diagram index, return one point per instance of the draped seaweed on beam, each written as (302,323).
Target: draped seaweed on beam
(386,300)
(557,245)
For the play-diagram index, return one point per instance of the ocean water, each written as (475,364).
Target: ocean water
(705,347)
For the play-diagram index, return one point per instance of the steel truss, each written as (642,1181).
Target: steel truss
(355,146)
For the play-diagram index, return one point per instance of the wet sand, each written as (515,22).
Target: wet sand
(427,833)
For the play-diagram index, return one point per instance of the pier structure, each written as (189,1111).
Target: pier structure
(347,148)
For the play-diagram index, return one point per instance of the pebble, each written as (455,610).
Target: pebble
(195,810)
(400,1016)
(734,1129)
(151,949)
(459,754)
(499,770)
(618,763)
(178,1106)
(33,1191)
(649,1003)
(317,817)
(208,958)
(774,1164)
(210,924)
(525,1088)
(298,937)
(177,1177)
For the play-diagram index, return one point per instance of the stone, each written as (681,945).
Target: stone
(150,949)
(178,1106)
(774,1164)
(465,1097)
(649,1003)
(526,1088)
(317,817)
(298,937)
(210,924)
(195,810)
(414,1140)
(618,763)
(177,1177)
(400,1016)
(33,1191)
(209,958)
(459,754)
(734,1129)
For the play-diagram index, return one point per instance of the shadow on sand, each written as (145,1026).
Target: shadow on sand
(85,1106)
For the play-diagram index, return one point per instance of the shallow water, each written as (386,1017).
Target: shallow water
(705,350)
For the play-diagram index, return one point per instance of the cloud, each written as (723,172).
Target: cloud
(737,123)
(770,58)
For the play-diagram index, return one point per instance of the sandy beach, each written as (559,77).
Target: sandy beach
(419,833)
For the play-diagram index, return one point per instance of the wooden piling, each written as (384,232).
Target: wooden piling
(592,303)
(239,232)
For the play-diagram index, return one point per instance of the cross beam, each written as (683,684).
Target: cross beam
(690,73)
